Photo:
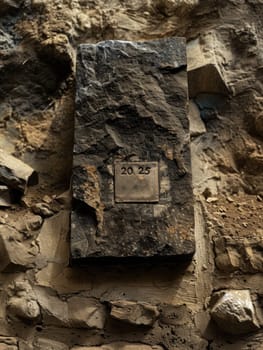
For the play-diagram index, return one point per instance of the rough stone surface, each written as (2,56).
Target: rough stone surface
(204,73)
(15,255)
(54,311)
(234,312)
(134,312)
(86,312)
(22,304)
(141,117)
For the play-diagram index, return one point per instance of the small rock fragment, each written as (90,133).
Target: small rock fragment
(43,209)
(137,313)
(16,174)
(34,222)
(234,312)
(22,304)
(211,199)
(86,312)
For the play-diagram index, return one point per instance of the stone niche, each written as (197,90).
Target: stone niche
(132,194)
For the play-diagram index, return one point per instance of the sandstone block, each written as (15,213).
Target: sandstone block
(234,312)
(54,311)
(137,313)
(132,176)
(86,312)
(15,255)
(204,72)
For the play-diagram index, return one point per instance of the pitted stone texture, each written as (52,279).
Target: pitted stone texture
(137,313)
(131,107)
(234,312)
(22,305)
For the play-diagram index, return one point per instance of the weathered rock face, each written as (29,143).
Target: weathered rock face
(134,312)
(234,312)
(38,45)
(132,176)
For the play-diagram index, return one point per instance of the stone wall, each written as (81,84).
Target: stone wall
(214,302)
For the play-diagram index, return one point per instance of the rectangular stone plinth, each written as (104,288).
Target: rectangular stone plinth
(132,195)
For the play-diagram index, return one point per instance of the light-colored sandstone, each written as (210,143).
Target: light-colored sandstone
(234,312)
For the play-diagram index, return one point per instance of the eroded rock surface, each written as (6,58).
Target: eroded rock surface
(234,312)
(131,119)
(134,312)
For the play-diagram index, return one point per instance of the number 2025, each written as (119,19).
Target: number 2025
(134,170)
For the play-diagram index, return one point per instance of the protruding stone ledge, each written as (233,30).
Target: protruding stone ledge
(16,174)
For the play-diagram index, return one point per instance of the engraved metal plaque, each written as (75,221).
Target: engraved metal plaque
(136,182)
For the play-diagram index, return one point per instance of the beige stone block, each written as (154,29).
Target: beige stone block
(86,312)
(204,71)
(15,255)
(53,238)
(54,311)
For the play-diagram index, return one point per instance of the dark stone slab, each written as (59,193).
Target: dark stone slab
(132,195)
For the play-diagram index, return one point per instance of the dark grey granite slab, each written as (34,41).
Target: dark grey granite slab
(132,195)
